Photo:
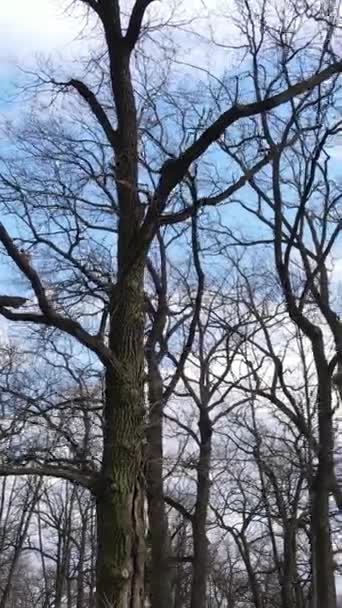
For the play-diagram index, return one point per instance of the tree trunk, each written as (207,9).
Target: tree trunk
(324,590)
(120,497)
(255,587)
(200,541)
(80,582)
(160,580)
(23,527)
(289,566)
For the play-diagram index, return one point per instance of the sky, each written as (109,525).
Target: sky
(30,28)
(27,28)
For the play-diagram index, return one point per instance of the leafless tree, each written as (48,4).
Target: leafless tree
(72,188)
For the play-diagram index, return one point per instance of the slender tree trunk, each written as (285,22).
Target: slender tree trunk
(200,541)
(255,586)
(23,527)
(80,594)
(93,545)
(181,582)
(323,571)
(289,567)
(160,580)
(60,568)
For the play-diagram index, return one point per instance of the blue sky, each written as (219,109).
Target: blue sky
(41,27)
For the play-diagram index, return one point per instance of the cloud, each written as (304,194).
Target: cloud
(37,26)
(3,332)
(50,26)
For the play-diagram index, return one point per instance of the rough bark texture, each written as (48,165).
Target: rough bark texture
(120,501)
(120,516)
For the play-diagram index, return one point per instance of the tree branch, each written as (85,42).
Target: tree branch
(49,471)
(94,5)
(173,171)
(180,216)
(95,106)
(24,265)
(49,317)
(214,132)
(12,301)
(68,326)
(135,22)
(179,507)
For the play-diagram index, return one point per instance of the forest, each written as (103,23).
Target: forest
(171,309)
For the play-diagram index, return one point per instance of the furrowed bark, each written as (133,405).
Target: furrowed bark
(120,499)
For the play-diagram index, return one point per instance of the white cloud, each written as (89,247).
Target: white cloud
(3,332)
(47,26)
(33,27)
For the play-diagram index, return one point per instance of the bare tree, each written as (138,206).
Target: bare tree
(298,204)
(75,177)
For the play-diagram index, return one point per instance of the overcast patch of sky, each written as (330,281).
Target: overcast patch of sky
(49,27)
(31,27)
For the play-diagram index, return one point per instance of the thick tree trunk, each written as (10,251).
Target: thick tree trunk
(120,497)
(200,541)
(120,549)
(160,580)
